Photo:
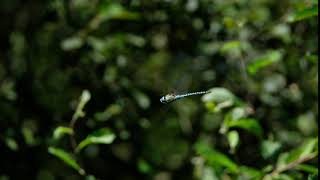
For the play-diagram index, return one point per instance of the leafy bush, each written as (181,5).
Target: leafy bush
(80,83)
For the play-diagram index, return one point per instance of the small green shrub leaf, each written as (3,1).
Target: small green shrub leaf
(101,136)
(116,11)
(265,60)
(229,46)
(306,149)
(66,158)
(307,168)
(12,144)
(218,98)
(251,125)
(233,138)
(303,14)
(61,131)
(215,158)
(72,43)
(269,148)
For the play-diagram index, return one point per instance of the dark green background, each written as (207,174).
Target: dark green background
(128,54)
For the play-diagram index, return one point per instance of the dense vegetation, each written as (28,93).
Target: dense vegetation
(80,83)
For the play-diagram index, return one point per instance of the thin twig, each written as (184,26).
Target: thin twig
(72,137)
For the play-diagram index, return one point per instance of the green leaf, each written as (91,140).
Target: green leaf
(313,177)
(101,136)
(269,148)
(116,11)
(303,14)
(233,138)
(237,113)
(112,110)
(61,131)
(84,98)
(251,125)
(208,174)
(72,43)
(306,149)
(250,173)
(142,99)
(229,46)
(218,95)
(265,60)
(12,144)
(215,158)
(307,168)
(218,98)
(67,158)
(143,166)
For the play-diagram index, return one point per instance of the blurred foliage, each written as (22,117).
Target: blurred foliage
(80,83)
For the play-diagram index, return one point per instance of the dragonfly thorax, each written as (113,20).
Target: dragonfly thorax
(168,98)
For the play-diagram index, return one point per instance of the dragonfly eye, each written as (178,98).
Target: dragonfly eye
(162,99)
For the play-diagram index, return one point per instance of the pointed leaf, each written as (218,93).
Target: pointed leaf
(67,158)
(304,14)
(116,11)
(264,60)
(269,148)
(215,158)
(72,43)
(306,149)
(233,138)
(229,46)
(61,131)
(250,125)
(101,136)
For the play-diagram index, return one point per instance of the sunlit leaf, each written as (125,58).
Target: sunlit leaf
(66,158)
(304,14)
(101,136)
(90,177)
(218,98)
(61,131)
(269,148)
(307,168)
(12,144)
(233,138)
(112,110)
(215,158)
(250,173)
(84,98)
(72,43)
(313,177)
(229,46)
(237,113)
(142,99)
(28,135)
(116,11)
(251,125)
(267,59)
(306,149)
(218,95)
(208,174)
(143,166)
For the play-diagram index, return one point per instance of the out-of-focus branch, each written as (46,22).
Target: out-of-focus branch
(293,164)
(290,166)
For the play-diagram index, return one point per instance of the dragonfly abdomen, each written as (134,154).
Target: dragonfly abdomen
(191,94)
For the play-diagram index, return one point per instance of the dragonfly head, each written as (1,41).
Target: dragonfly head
(167,98)
(162,99)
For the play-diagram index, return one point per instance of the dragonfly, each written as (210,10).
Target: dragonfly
(173,97)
